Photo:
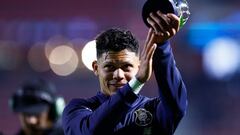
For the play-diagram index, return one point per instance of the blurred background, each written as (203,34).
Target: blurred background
(46,38)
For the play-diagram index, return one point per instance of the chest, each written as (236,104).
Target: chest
(140,120)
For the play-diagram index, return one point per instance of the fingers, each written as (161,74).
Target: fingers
(148,50)
(151,52)
(148,41)
(149,35)
(173,17)
(164,24)
(159,22)
(175,22)
(163,27)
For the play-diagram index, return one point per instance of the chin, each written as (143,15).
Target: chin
(112,90)
(115,90)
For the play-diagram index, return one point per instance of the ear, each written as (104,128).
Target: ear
(95,67)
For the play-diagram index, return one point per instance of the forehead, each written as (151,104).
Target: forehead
(121,56)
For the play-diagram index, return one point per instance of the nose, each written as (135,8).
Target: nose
(118,74)
(33,120)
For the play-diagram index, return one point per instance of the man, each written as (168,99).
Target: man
(119,109)
(38,108)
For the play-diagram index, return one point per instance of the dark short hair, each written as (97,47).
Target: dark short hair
(116,39)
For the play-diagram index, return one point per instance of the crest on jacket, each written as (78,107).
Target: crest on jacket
(143,117)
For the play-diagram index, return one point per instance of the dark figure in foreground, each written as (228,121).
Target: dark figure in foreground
(38,107)
(118,108)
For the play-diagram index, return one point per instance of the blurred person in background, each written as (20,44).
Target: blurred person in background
(118,108)
(38,107)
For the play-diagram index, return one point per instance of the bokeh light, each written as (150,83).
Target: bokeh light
(89,54)
(37,58)
(54,42)
(63,60)
(221,58)
(10,56)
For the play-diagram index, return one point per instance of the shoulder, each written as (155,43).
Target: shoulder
(75,104)
(76,109)
(80,104)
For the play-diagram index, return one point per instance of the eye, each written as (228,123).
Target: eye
(109,67)
(127,67)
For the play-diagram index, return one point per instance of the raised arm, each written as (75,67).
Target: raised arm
(172,91)
(163,27)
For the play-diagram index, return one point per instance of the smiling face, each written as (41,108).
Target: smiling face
(115,69)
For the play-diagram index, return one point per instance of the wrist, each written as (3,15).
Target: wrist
(136,85)
(140,79)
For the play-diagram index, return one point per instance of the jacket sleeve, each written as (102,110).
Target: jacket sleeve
(172,91)
(79,119)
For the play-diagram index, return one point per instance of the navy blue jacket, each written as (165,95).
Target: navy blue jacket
(126,113)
